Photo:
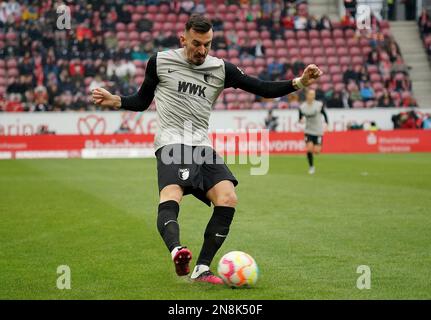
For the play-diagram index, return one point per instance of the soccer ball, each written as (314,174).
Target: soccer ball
(238,269)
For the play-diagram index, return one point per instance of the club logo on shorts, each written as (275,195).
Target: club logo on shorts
(184,174)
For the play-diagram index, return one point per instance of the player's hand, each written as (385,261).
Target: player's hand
(104,98)
(310,75)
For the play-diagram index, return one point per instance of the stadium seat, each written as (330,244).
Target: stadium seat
(314,34)
(278,43)
(291,43)
(332,60)
(339,87)
(337,77)
(325,34)
(302,34)
(342,51)
(289,34)
(337,34)
(344,60)
(316,43)
(357,60)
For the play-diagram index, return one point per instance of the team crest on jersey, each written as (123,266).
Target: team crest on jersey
(207,77)
(184,173)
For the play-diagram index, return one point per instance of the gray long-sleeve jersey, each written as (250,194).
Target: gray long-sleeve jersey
(185,94)
(313,117)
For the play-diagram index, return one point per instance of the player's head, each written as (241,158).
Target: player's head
(310,95)
(197,38)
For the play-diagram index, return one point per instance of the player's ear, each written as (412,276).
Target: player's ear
(183,40)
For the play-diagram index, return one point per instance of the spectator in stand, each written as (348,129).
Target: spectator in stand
(325,23)
(373,57)
(97,82)
(76,69)
(399,67)
(354,95)
(288,22)
(408,101)
(350,7)
(350,75)
(232,40)
(275,70)
(399,83)
(18,86)
(124,14)
(367,93)
(298,67)
(300,23)
(200,7)
(348,22)
(264,75)
(385,101)
(363,75)
(426,122)
(258,50)
(410,120)
(423,19)
(217,22)
(121,69)
(219,41)
(187,6)
(335,101)
(139,54)
(14,104)
(313,23)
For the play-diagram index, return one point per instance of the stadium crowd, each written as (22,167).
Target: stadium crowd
(44,68)
(424,24)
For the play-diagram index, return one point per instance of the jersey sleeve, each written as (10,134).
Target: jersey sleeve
(325,115)
(141,100)
(236,78)
(301,115)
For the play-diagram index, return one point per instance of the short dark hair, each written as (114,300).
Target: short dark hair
(199,23)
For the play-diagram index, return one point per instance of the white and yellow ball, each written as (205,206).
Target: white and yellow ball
(238,269)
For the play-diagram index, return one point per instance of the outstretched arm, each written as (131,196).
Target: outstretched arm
(236,78)
(139,101)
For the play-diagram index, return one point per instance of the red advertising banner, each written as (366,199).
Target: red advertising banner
(133,145)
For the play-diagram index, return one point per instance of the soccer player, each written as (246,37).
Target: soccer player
(185,83)
(312,110)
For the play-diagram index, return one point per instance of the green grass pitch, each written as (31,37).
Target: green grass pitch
(308,234)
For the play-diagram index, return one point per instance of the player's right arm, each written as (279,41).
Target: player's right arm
(139,101)
(301,116)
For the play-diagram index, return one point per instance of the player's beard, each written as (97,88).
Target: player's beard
(199,60)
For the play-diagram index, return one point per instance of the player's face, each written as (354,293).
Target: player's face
(196,45)
(311,94)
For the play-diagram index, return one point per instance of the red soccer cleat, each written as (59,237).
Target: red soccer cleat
(181,260)
(209,277)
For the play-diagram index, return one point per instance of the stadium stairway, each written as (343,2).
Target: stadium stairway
(319,8)
(407,36)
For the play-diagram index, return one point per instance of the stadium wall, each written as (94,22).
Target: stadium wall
(248,143)
(83,123)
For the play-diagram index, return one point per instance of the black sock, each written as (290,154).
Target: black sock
(167,223)
(310,158)
(215,233)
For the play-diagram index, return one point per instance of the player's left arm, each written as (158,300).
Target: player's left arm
(325,115)
(236,78)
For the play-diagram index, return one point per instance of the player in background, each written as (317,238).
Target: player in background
(185,83)
(312,110)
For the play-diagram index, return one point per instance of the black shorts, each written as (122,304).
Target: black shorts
(196,169)
(317,140)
